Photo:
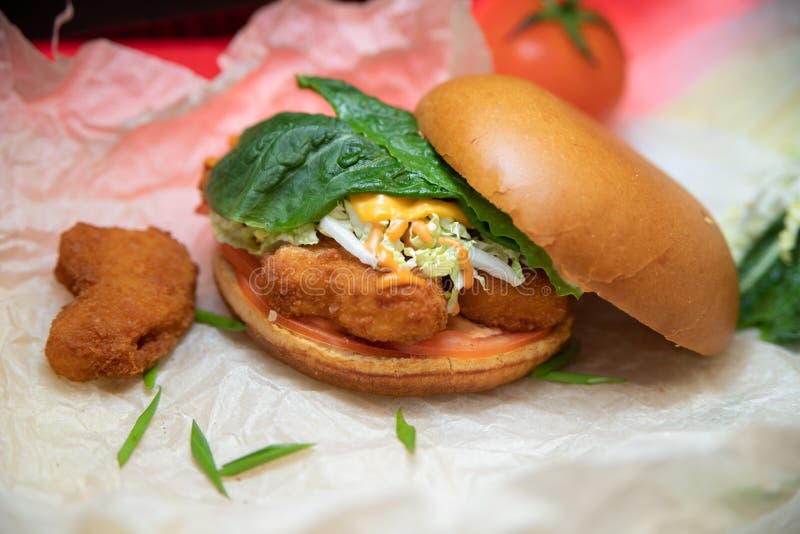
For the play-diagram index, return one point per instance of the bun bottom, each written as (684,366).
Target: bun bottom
(401,376)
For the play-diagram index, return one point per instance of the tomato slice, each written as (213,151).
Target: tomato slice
(461,339)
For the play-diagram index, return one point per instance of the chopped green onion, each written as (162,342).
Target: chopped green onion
(579,378)
(406,433)
(138,430)
(260,457)
(209,318)
(559,361)
(551,369)
(149,376)
(202,454)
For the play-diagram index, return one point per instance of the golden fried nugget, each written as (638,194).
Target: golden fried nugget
(134,299)
(529,306)
(326,281)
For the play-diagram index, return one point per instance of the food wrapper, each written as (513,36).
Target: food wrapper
(114,137)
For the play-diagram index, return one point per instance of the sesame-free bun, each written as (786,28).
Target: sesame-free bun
(400,376)
(612,222)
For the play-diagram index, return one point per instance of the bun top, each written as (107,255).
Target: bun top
(611,221)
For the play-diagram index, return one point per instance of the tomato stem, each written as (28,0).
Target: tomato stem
(570,15)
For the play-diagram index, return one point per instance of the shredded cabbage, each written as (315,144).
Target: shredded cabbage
(256,240)
(743,224)
(433,260)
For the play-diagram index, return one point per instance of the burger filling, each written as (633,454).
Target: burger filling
(372,230)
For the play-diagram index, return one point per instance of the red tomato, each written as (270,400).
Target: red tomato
(570,51)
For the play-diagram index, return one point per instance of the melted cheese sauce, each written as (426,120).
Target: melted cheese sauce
(373,208)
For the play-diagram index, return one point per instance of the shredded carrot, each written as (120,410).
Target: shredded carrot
(210,162)
(233,141)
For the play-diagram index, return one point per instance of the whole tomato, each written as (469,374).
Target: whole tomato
(570,51)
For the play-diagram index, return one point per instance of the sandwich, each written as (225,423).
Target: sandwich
(437,252)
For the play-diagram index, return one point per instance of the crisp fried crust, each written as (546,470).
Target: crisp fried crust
(326,281)
(134,299)
(533,305)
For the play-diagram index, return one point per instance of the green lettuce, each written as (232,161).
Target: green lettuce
(769,280)
(293,169)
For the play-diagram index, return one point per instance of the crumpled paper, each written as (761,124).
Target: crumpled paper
(114,137)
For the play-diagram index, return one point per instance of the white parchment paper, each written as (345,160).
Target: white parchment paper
(114,137)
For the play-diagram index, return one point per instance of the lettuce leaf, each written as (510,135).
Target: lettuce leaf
(769,279)
(397,131)
(293,168)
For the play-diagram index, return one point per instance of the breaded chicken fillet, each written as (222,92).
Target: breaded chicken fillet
(134,299)
(530,306)
(324,280)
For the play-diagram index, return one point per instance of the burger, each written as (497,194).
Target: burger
(437,252)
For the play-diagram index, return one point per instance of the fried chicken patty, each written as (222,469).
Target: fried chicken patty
(324,280)
(530,306)
(134,299)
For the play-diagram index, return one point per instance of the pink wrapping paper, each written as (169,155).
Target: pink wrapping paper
(114,137)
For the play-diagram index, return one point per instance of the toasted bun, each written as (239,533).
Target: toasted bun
(404,376)
(611,221)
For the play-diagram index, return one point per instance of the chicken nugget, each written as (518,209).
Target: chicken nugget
(134,299)
(324,280)
(530,306)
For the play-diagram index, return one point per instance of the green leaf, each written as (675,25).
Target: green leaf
(770,288)
(406,433)
(260,457)
(579,378)
(396,130)
(202,455)
(293,168)
(209,318)
(138,430)
(150,375)
(557,362)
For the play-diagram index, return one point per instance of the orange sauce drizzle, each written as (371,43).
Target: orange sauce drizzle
(422,231)
(396,229)
(400,277)
(463,260)
(374,238)
(386,259)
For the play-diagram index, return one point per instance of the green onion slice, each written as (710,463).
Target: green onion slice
(260,457)
(551,369)
(559,361)
(579,378)
(138,430)
(202,455)
(406,433)
(150,375)
(209,318)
